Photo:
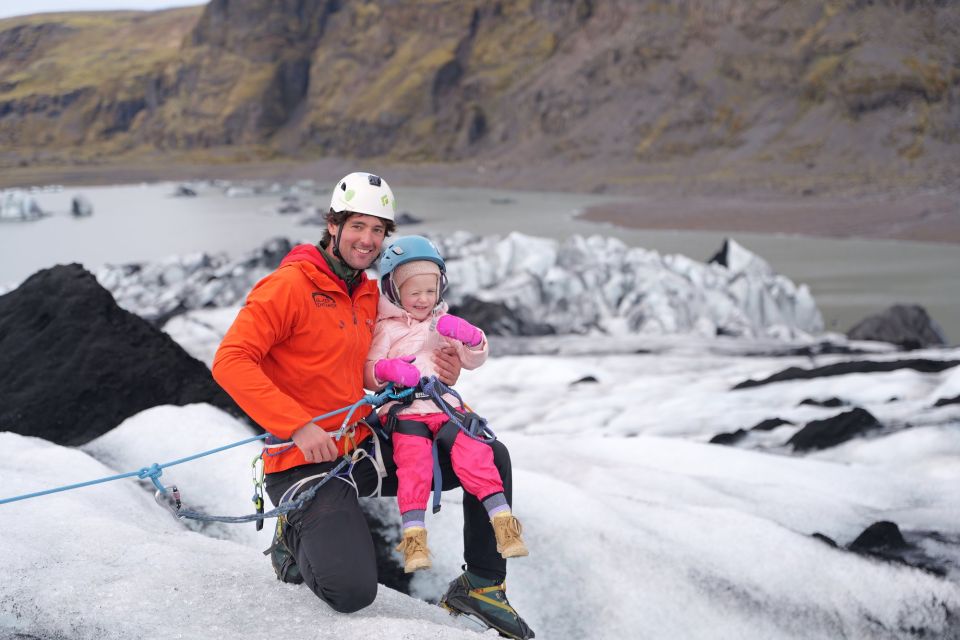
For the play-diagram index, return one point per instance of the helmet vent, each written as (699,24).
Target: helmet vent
(374,180)
(343,185)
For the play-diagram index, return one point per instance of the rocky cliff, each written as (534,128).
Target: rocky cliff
(845,89)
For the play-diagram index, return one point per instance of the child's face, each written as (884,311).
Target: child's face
(418,295)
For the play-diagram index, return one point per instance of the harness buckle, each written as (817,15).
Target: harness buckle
(473,424)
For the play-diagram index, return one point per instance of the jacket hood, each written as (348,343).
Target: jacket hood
(310,253)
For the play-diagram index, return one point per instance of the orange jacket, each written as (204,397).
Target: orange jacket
(297,350)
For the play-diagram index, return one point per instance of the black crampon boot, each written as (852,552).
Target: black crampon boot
(281,558)
(486,601)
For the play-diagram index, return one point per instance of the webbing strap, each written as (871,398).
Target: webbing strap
(446,436)
(478,594)
(412,428)
(437,477)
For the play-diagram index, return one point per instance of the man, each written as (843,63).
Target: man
(296,351)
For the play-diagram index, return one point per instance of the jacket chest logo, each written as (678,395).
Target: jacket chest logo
(323,301)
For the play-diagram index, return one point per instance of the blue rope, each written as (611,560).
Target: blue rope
(283,509)
(154,471)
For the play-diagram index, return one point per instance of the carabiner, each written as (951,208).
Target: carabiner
(169,499)
(257,469)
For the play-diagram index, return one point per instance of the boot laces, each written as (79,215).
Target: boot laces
(413,544)
(510,528)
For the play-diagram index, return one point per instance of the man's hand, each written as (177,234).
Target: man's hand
(315,443)
(447,363)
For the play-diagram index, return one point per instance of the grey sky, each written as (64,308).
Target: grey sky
(15,7)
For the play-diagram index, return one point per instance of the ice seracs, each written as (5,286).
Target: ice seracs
(599,284)
(582,285)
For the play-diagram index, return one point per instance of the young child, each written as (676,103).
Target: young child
(411,323)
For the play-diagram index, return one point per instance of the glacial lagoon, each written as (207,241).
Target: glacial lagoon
(849,278)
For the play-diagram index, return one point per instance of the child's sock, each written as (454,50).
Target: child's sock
(414,518)
(496,503)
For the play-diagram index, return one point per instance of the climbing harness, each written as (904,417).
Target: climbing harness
(461,419)
(169,497)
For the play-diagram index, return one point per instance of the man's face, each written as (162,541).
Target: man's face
(361,239)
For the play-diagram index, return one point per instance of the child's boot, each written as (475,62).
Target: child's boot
(416,555)
(507,529)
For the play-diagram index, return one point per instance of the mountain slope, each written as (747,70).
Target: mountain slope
(843,91)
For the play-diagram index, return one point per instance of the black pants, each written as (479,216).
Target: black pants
(331,541)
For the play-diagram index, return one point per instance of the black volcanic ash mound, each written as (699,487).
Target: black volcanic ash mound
(923,365)
(74,365)
(829,432)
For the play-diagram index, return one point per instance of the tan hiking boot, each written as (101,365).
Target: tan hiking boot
(416,555)
(507,529)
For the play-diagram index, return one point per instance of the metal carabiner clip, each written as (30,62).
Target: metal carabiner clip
(257,468)
(169,499)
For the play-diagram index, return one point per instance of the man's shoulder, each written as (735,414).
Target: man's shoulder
(283,277)
(300,275)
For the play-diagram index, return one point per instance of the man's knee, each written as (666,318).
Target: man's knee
(350,599)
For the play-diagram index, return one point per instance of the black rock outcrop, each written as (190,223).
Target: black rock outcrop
(822,434)
(824,539)
(728,438)
(769,424)
(883,540)
(497,319)
(854,366)
(879,536)
(908,326)
(734,437)
(942,402)
(74,365)
(829,402)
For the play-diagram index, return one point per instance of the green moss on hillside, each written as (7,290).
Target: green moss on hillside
(103,49)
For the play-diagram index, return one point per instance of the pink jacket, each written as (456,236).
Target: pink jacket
(398,334)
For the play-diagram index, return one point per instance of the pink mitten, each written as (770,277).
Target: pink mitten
(459,329)
(398,370)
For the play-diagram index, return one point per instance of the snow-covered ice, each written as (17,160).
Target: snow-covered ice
(637,527)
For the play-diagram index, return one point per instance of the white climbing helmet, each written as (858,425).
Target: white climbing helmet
(365,193)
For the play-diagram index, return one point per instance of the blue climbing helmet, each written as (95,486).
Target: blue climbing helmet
(408,249)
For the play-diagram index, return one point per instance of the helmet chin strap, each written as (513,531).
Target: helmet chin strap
(336,248)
